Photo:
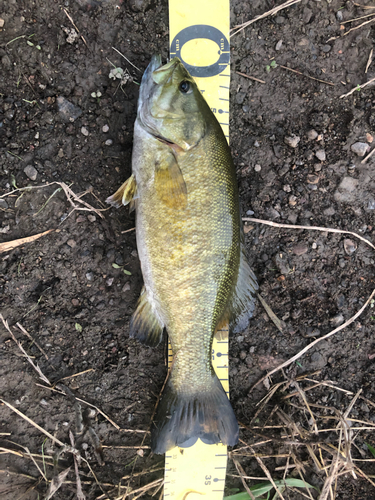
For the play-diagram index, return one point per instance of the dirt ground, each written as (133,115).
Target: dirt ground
(64,120)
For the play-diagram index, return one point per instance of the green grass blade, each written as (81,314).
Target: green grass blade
(262,488)
(371,449)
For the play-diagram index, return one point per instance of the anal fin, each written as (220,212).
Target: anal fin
(145,326)
(125,194)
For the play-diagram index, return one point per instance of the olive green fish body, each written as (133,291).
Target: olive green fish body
(191,251)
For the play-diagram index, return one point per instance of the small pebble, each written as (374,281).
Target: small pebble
(279,45)
(249,212)
(109,281)
(257,168)
(292,140)
(337,320)
(105,128)
(300,249)
(1,22)
(256,144)
(312,179)
(90,276)
(349,246)
(321,155)
(108,142)
(84,131)
(31,172)
(126,287)
(360,148)
(75,302)
(3,203)
(339,16)
(314,246)
(71,243)
(287,188)
(312,135)
(326,48)
(369,138)
(292,200)
(91,218)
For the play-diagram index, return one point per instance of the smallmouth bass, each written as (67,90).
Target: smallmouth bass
(191,247)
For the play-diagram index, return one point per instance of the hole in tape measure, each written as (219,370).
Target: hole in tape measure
(202,49)
(217,55)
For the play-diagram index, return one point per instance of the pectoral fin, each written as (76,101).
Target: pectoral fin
(169,183)
(125,194)
(145,326)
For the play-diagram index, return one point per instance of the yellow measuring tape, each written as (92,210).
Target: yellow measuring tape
(199,36)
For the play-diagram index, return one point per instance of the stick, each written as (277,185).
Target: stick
(250,77)
(307,76)
(358,87)
(271,12)
(11,245)
(314,228)
(308,347)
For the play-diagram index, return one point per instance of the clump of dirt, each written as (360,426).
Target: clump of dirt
(294,142)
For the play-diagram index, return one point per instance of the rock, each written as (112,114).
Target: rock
(280,20)
(257,168)
(240,97)
(321,155)
(312,179)
(300,249)
(71,243)
(312,134)
(279,45)
(337,320)
(292,200)
(249,212)
(318,360)
(326,48)
(369,138)
(292,140)
(347,190)
(31,172)
(90,276)
(282,263)
(126,287)
(84,131)
(329,211)
(339,16)
(359,148)
(349,246)
(3,204)
(67,110)
(108,142)
(105,128)
(2,22)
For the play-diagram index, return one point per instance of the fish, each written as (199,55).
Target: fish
(191,247)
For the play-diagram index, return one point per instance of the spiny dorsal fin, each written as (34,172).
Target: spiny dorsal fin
(124,194)
(144,324)
(169,183)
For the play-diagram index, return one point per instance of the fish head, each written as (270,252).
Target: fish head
(170,106)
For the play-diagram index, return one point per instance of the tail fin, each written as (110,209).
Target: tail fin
(181,419)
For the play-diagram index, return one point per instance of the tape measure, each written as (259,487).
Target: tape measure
(199,37)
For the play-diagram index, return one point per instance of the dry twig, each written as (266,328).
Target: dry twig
(307,76)
(11,245)
(271,12)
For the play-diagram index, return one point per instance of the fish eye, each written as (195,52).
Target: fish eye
(184,86)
